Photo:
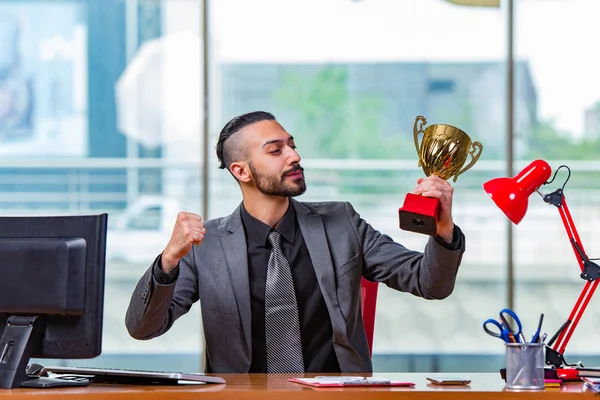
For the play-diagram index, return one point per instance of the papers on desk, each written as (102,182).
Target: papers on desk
(592,384)
(337,381)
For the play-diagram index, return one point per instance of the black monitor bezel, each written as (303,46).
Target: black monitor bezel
(67,336)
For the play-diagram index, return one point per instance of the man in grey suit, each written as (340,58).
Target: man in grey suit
(279,280)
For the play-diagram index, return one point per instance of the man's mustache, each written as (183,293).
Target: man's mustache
(293,170)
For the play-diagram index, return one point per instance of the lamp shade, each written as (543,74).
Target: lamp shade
(511,195)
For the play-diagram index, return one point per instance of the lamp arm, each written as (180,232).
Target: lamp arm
(590,271)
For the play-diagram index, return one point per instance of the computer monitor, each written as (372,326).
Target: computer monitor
(51,291)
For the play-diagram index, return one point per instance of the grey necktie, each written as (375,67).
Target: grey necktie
(282,324)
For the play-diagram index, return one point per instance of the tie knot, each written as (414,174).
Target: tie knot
(275,239)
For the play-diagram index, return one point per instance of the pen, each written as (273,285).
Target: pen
(536,335)
(522,336)
(352,381)
(340,378)
(543,338)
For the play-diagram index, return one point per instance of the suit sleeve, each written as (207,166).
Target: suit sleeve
(430,274)
(155,306)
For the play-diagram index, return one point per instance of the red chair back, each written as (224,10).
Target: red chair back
(368,294)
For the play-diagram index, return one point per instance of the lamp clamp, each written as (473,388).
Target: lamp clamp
(554,358)
(557,360)
(591,271)
(555,198)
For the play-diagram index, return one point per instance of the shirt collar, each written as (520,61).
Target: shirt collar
(287,225)
(258,231)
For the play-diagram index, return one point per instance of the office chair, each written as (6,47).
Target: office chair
(368,294)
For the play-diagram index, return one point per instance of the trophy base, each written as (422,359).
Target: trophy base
(419,214)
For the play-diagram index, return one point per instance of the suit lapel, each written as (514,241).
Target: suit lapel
(311,225)
(237,261)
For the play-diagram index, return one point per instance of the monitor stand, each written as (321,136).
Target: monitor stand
(43,382)
(16,346)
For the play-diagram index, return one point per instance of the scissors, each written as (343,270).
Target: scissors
(505,330)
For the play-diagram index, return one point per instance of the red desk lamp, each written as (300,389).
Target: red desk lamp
(511,196)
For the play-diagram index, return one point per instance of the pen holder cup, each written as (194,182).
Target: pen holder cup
(525,366)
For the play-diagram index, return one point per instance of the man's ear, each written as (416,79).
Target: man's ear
(241,171)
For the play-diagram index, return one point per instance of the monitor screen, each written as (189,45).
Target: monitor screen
(51,290)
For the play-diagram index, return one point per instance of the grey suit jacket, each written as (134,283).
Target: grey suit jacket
(343,248)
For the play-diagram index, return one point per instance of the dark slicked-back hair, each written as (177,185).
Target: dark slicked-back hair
(228,146)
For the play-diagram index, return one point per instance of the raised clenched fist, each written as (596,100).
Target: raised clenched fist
(188,231)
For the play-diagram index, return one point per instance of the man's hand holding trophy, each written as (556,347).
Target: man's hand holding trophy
(443,152)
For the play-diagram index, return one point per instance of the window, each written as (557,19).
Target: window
(440,86)
(319,84)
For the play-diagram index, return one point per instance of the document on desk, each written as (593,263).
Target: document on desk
(338,381)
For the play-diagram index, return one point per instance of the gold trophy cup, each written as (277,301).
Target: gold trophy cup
(443,152)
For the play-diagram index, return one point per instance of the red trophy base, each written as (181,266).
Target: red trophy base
(419,214)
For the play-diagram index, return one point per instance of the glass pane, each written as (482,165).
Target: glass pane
(95,110)
(565,132)
(347,79)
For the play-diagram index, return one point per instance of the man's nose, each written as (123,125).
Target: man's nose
(293,157)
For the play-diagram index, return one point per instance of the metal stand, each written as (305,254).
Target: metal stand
(590,272)
(16,346)
(17,343)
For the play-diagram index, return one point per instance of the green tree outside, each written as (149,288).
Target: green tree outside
(339,124)
(548,143)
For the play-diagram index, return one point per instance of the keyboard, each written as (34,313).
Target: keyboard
(135,377)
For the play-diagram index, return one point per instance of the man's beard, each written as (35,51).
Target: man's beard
(276,185)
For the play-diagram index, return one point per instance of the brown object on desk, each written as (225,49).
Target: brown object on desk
(276,386)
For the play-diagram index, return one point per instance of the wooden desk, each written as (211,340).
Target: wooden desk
(276,387)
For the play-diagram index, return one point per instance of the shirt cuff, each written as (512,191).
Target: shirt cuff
(456,243)
(161,277)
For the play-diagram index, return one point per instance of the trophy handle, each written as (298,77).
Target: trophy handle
(416,132)
(474,157)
